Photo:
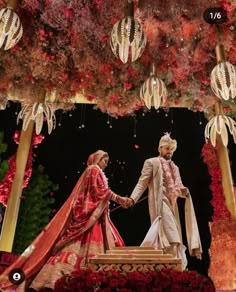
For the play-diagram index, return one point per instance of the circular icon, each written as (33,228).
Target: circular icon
(215,15)
(16,276)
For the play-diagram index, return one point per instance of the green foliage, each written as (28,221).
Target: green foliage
(4,164)
(35,209)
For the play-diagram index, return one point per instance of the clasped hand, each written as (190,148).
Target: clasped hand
(126,202)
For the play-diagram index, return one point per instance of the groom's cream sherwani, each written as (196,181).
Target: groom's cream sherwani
(165,218)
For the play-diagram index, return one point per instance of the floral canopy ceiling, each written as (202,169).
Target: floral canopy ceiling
(65,49)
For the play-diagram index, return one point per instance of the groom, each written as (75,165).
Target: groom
(162,178)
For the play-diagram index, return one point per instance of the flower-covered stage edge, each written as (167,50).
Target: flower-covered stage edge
(163,280)
(223,229)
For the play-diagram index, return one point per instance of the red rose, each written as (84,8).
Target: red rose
(113,283)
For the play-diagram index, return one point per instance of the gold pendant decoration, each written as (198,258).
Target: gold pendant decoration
(153,92)
(36,112)
(11,29)
(128,37)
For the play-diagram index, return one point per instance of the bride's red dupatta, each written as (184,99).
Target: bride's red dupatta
(50,240)
(63,228)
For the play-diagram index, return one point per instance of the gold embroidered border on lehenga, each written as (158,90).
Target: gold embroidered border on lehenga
(69,259)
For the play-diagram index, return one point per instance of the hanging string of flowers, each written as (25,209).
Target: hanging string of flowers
(5,185)
(220,210)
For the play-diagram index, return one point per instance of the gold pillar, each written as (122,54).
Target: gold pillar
(11,214)
(13,204)
(11,4)
(222,151)
(227,181)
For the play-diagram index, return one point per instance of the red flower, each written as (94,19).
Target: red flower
(103,38)
(68,13)
(133,281)
(122,282)
(89,97)
(30,78)
(113,283)
(127,85)
(218,200)
(64,76)
(114,98)
(206,81)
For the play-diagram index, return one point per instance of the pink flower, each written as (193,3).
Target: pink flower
(206,81)
(68,13)
(127,85)
(103,37)
(64,76)
(114,98)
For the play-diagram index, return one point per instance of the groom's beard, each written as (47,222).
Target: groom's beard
(167,156)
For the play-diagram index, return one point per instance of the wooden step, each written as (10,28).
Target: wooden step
(134,247)
(104,258)
(134,258)
(135,251)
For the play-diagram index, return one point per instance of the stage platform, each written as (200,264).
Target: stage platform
(134,258)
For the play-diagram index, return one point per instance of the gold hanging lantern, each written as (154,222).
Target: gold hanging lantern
(10,26)
(128,37)
(217,126)
(36,111)
(223,77)
(153,92)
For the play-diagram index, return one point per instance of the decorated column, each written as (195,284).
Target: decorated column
(223,228)
(11,214)
(13,205)
(227,181)
(222,152)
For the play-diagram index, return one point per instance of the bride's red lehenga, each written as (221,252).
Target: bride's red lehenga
(81,229)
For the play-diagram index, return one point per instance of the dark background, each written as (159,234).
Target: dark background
(129,141)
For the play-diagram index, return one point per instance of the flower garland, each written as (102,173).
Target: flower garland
(220,210)
(5,185)
(172,178)
(163,280)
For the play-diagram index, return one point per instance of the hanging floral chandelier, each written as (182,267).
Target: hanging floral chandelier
(153,92)
(223,77)
(36,111)
(10,26)
(223,84)
(217,126)
(128,37)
